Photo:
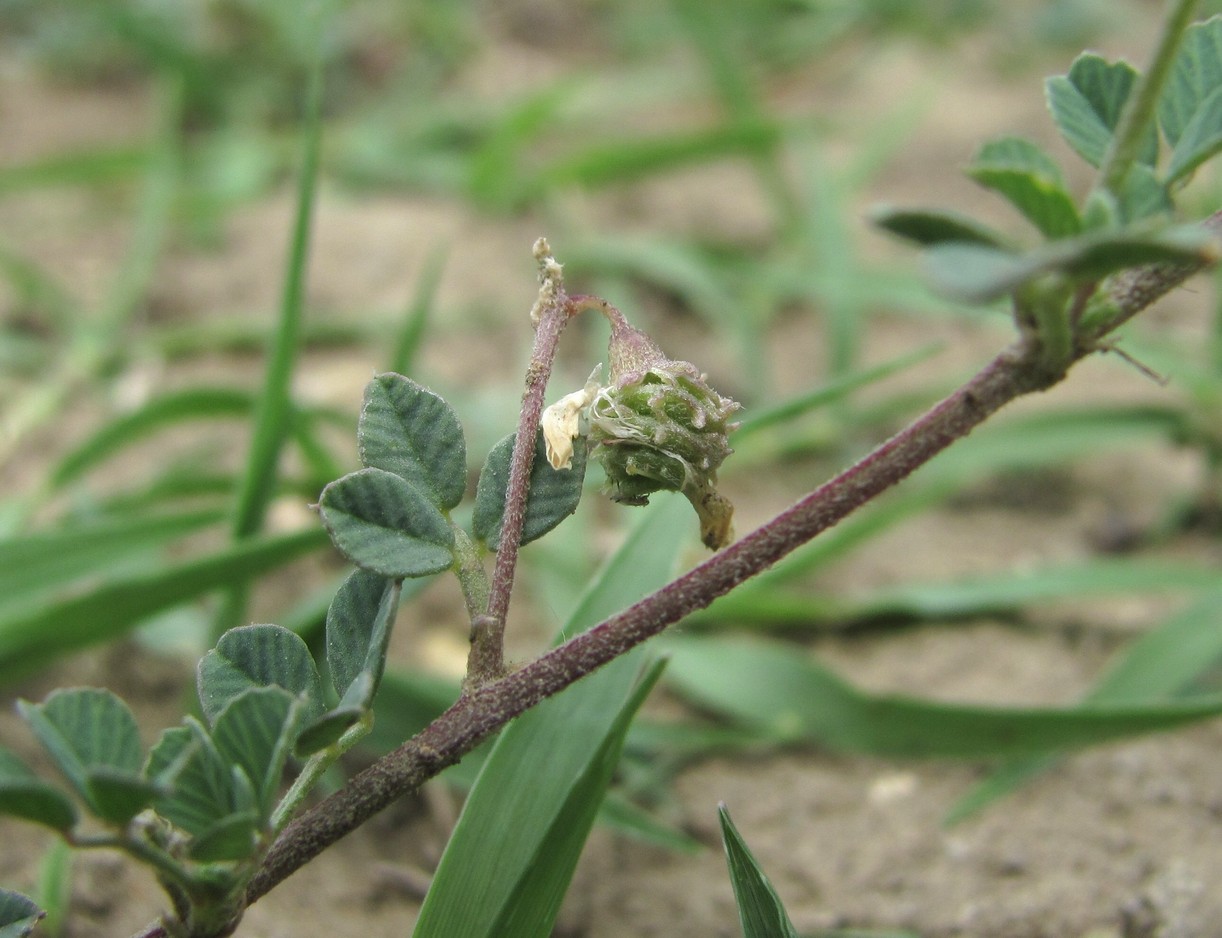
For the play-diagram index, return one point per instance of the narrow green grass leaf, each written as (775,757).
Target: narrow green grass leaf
(1160,666)
(523,824)
(417,316)
(1195,77)
(1031,181)
(274,411)
(255,656)
(165,411)
(19,915)
(84,168)
(790,697)
(24,795)
(759,907)
(410,431)
(624,817)
(984,595)
(1008,591)
(631,158)
(554,493)
(834,391)
(536,903)
(383,523)
(28,640)
(1045,439)
(33,565)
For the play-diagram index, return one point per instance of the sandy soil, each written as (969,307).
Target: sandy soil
(1121,841)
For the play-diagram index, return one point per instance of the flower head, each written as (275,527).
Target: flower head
(659,426)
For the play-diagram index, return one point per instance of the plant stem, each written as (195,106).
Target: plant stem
(1018,370)
(1139,111)
(550,314)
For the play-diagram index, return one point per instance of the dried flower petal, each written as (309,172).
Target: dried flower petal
(561,423)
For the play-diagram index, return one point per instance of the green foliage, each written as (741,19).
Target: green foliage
(24,795)
(510,858)
(759,907)
(1126,224)
(1087,103)
(358,627)
(92,736)
(554,493)
(213,785)
(789,697)
(976,273)
(1031,181)
(1190,111)
(256,656)
(18,915)
(383,523)
(408,430)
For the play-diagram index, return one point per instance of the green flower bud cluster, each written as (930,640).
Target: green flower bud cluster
(659,426)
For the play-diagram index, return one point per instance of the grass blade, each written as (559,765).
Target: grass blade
(1162,665)
(164,411)
(110,610)
(759,907)
(36,564)
(510,858)
(274,409)
(790,697)
(997,594)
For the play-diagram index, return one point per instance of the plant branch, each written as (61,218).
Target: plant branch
(1016,371)
(550,314)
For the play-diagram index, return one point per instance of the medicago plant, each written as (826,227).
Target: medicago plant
(205,808)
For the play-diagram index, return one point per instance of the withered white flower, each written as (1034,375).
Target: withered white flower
(561,423)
